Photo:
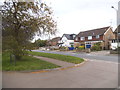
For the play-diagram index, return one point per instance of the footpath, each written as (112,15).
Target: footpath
(63,64)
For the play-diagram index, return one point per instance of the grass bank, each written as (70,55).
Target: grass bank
(66,58)
(26,63)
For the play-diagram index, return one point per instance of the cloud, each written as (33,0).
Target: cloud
(77,15)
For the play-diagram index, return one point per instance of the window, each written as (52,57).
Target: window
(82,38)
(76,39)
(73,36)
(97,36)
(89,37)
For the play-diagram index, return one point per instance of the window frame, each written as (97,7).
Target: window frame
(89,38)
(76,39)
(97,36)
(82,38)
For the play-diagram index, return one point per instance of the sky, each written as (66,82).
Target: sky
(73,16)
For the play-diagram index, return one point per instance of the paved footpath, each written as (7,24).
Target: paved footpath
(63,64)
(92,74)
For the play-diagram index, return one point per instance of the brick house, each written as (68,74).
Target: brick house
(54,41)
(115,32)
(116,42)
(90,37)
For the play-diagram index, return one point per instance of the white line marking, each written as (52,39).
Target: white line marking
(101,61)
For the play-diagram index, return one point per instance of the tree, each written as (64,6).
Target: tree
(21,21)
(40,43)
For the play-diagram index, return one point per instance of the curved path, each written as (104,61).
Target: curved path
(63,64)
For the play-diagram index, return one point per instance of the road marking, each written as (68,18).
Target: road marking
(102,61)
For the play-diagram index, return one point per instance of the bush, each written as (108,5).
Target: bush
(96,47)
(63,48)
(81,47)
(72,45)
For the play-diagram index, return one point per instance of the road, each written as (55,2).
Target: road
(113,58)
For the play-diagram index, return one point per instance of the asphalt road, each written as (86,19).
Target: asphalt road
(92,74)
(108,57)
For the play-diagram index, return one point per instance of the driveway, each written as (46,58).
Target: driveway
(92,74)
(103,55)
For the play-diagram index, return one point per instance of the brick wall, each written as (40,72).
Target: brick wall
(107,37)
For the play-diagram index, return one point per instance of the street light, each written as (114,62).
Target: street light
(114,8)
(117,25)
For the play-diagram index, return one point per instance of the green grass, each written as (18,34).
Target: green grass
(27,63)
(66,58)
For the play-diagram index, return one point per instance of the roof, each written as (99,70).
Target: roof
(56,39)
(94,32)
(118,29)
(69,36)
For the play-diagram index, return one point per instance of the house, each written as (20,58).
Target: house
(90,37)
(54,41)
(116,42)
(67,40)
(117,32)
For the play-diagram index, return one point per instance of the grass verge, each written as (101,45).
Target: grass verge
(27,63)
(66,58)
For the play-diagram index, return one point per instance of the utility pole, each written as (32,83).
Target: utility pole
(117,25)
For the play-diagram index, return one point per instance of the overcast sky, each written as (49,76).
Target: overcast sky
(73,16)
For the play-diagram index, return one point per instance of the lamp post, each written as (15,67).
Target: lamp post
(117,49)
(117,26)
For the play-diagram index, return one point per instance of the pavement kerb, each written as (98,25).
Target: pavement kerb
(49,70)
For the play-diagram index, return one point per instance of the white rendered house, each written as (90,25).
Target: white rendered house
(67,40)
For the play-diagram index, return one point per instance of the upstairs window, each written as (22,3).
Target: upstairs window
(82,38)
(97,36)
(89,37)
(73,36)
(76,38)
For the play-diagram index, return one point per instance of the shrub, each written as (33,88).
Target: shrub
(64,48)
(81,47)
(72,45)
(96,47)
